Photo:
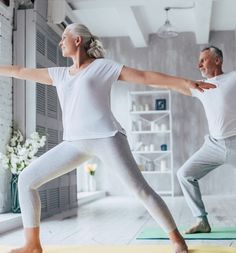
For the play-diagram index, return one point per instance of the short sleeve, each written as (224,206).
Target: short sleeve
(57,74)
(117,70)
(194,92)
(113,69)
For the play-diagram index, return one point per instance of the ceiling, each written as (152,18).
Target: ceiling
(138,19)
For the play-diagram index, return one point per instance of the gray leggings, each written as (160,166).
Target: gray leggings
(114,152)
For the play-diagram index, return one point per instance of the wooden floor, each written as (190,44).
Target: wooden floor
(118,220)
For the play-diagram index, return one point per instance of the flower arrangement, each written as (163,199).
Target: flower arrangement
(21,153)
(90,168)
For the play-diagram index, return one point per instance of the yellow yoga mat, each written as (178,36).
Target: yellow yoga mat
(130,249)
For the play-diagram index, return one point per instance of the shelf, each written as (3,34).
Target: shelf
(165,192)
(152,152)
(157,172)
(150,132)
(144,122)
(151,112)
(157,92)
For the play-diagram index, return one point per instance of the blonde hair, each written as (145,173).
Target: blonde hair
(92,44)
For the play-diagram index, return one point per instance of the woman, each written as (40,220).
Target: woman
(90,128)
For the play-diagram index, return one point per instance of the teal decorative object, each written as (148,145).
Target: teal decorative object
(15,206)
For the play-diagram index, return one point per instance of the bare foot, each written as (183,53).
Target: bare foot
(179,245)
(200,227)
(27,249)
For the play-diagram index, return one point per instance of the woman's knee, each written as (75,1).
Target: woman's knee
(140,190)
(25,180)
(22,180)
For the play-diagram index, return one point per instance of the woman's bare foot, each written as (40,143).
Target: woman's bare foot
(27,249)
(179,245)
(32,244)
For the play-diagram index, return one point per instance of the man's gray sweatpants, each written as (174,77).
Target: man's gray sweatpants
(211,155)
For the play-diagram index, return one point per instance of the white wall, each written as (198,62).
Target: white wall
(176,56)
(5,83)
(5,101)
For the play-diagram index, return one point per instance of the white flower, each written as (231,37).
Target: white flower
(27,162)
(14,159)
(20,166)
(42,141)
(90,168)
(27,142)
(31,154)
(20,154)
(35,136)
(10,149)
(13,170)
(22,151)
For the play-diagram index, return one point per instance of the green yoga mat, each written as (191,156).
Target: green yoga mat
(216,234)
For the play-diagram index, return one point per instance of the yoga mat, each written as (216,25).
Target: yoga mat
(130,249)
(216,234)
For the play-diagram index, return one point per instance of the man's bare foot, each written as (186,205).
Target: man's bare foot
(27,249)
(201,227)
(179,245)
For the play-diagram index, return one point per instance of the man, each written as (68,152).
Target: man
(220,145)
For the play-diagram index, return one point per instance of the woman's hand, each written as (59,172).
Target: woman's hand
(201,86)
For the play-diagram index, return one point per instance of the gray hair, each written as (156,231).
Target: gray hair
(92,44)
(215,50)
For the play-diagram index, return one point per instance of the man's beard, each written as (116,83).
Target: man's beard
(203,74)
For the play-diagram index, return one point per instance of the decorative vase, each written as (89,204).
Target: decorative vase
(92,183)
(15,206)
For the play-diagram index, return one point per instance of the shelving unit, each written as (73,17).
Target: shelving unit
(150,137)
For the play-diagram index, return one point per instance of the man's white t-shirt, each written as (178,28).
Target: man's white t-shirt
(220,105)
(85,100)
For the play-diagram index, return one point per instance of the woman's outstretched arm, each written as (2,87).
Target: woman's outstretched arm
(37,75)
(160,80)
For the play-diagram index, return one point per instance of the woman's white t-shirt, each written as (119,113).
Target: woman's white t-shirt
(85,100)
(220,105)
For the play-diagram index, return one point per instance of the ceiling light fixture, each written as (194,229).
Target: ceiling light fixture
(167,30)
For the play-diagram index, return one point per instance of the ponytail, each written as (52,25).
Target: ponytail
(92,44)
(94,48)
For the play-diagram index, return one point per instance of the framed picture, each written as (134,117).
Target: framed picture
(160,104)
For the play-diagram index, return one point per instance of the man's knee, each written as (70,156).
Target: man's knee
(184,174)
(180,174)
